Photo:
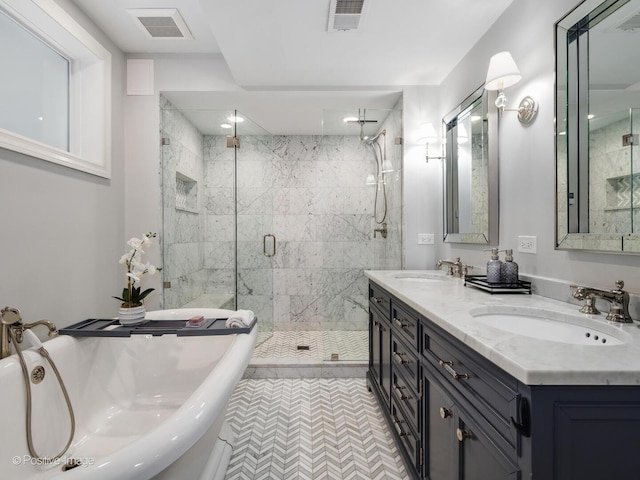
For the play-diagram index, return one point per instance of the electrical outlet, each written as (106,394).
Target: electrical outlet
(426,239)
(527,244)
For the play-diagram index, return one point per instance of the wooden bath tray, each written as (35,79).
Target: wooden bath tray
(96,327)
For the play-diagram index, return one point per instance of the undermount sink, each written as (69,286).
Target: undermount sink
(420,277)
(549,325)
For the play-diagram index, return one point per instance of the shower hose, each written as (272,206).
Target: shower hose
(42,351)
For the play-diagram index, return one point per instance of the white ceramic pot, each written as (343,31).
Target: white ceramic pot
(131,316)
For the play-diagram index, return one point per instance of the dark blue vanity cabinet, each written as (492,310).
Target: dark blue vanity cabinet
(585,432)
(380,343)
(457,416)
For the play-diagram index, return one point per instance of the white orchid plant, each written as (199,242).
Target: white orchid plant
(136,269)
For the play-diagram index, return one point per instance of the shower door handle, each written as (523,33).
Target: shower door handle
(264,245)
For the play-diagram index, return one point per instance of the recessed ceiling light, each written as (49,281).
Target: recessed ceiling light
(226,125)
(235,119)
(350,119)
(475,118)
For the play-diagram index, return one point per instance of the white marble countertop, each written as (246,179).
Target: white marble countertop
(532,361)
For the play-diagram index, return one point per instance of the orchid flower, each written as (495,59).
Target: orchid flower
(136,269)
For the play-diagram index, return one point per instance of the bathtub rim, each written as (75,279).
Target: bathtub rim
(150,454)
(163,445)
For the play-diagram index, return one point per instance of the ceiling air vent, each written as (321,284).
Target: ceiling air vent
(345,15)
(631,24)
(164,23)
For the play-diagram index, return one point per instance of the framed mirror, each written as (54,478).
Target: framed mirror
(471,171)
(598,127)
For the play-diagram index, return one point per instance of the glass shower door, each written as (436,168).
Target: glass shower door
(198,209)
(256,242)
(216,207)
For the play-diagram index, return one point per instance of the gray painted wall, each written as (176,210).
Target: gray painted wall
(527,162)
(62,231)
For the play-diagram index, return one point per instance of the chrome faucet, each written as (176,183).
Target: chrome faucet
(12,327)
(457,268)
(618,301)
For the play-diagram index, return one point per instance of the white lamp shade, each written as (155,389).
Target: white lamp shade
(503,72)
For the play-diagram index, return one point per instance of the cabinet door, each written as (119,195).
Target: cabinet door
(596,441)
(374,345)
(380,352)
(385,359)
(478,457)
(440,444)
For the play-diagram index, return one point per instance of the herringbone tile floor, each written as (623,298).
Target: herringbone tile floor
(310,429)
(348,345)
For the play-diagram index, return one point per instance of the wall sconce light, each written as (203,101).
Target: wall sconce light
(428,136)
(502,73)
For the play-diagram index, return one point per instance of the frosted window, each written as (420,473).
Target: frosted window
(34,87)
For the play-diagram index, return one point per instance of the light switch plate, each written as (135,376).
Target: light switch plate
(426,239)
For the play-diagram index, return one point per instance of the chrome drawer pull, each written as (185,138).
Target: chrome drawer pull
(375,299)
(463,434)
(399,392)
(396,423)
(448,366)
(400,323)
(400,360)
(445,413)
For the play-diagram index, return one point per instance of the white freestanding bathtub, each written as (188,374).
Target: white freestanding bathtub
(145,406)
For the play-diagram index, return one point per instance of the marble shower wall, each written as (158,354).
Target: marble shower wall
(614,186)
(182,163)
(307,191)
(310,193)
(613,180)
(479,181)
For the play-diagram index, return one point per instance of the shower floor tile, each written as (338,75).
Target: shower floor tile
(310,428)
(325,345)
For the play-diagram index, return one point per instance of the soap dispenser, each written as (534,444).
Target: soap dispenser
(509,268)
(494,267)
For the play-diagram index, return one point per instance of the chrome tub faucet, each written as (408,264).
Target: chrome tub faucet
(618,301)
(12,327)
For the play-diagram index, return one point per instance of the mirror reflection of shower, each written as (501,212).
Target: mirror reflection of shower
(383,166)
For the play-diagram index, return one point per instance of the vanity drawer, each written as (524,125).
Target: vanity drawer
(484,387)
(380,299)
(410,440)
(405,362)
(407,399)
(406,323)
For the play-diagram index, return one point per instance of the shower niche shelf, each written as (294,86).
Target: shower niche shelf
(186,193)
(623,192)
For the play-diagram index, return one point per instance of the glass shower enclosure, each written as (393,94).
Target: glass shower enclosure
(217,242)
(284,226)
